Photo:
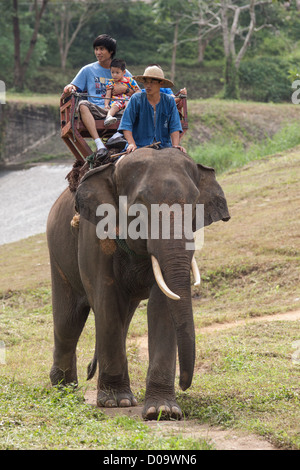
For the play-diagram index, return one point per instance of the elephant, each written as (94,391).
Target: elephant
(111,275)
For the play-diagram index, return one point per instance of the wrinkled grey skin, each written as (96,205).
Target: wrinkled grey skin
(89,273)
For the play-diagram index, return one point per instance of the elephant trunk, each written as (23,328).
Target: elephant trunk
(161,282)
(173,270)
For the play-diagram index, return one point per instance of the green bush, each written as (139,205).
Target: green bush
(265,79)
(201,82)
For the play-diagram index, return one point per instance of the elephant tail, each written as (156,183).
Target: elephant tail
(92,367)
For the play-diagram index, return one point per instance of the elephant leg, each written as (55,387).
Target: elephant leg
(160,398)
(112,323)
(70,312)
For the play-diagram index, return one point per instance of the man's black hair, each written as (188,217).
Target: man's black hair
(106,41)
(119,63)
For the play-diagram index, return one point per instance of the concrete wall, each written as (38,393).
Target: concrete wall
(23,127)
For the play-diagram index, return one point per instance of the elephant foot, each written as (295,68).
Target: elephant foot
(62,377)
(162,410)
(114,399)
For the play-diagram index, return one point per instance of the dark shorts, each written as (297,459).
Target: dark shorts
(97,111)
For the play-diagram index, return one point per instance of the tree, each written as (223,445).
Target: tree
(68,19)
(236,21)
(172,13)
(231,30)
(20,67)
(205,15)
(208,27)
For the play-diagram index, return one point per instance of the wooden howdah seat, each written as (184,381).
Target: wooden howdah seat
(74,133)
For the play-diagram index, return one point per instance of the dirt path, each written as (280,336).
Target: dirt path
(288,316)
(221,439)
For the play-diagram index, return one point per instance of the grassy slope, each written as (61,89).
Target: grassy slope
(249,121)
(244,377)
(33,99)
(251,263)
(227,135)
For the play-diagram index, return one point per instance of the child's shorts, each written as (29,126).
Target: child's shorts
(119,103)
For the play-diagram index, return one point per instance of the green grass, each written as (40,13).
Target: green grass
(226,154)
(34,98)
(33,417)
(229,134)
(247,379)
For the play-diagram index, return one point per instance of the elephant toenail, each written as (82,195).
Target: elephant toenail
(176,412)
(111,404)
(125,402)
(164,409)
(151,411)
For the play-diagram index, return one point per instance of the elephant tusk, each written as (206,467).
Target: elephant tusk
(160,280)
(196,272)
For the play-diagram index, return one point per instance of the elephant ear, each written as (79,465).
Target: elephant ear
(212,196)
(95,188)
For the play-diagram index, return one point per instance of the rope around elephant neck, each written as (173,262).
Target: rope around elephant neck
(123,245)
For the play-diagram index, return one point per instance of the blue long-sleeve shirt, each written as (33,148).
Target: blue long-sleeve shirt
(148,127)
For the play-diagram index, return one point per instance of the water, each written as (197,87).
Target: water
(26,197)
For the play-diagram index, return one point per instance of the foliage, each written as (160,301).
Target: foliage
(142,39)
(265,79)
(7,43)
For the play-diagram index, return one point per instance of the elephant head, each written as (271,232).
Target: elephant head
(142,180)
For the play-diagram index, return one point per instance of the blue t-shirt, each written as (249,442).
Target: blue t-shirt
(146,128)
(93,78)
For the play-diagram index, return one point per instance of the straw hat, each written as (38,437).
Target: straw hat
(153,71)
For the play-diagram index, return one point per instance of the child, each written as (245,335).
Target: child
(118,70)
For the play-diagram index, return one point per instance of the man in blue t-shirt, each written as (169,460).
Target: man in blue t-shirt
(152,116)
(93,79)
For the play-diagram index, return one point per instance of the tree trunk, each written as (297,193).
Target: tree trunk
(202,43)
(63,20)
(231,90)
(17,53)
(20,68)
(174,51)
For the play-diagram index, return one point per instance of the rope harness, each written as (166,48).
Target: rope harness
(123,245)
(94,161)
